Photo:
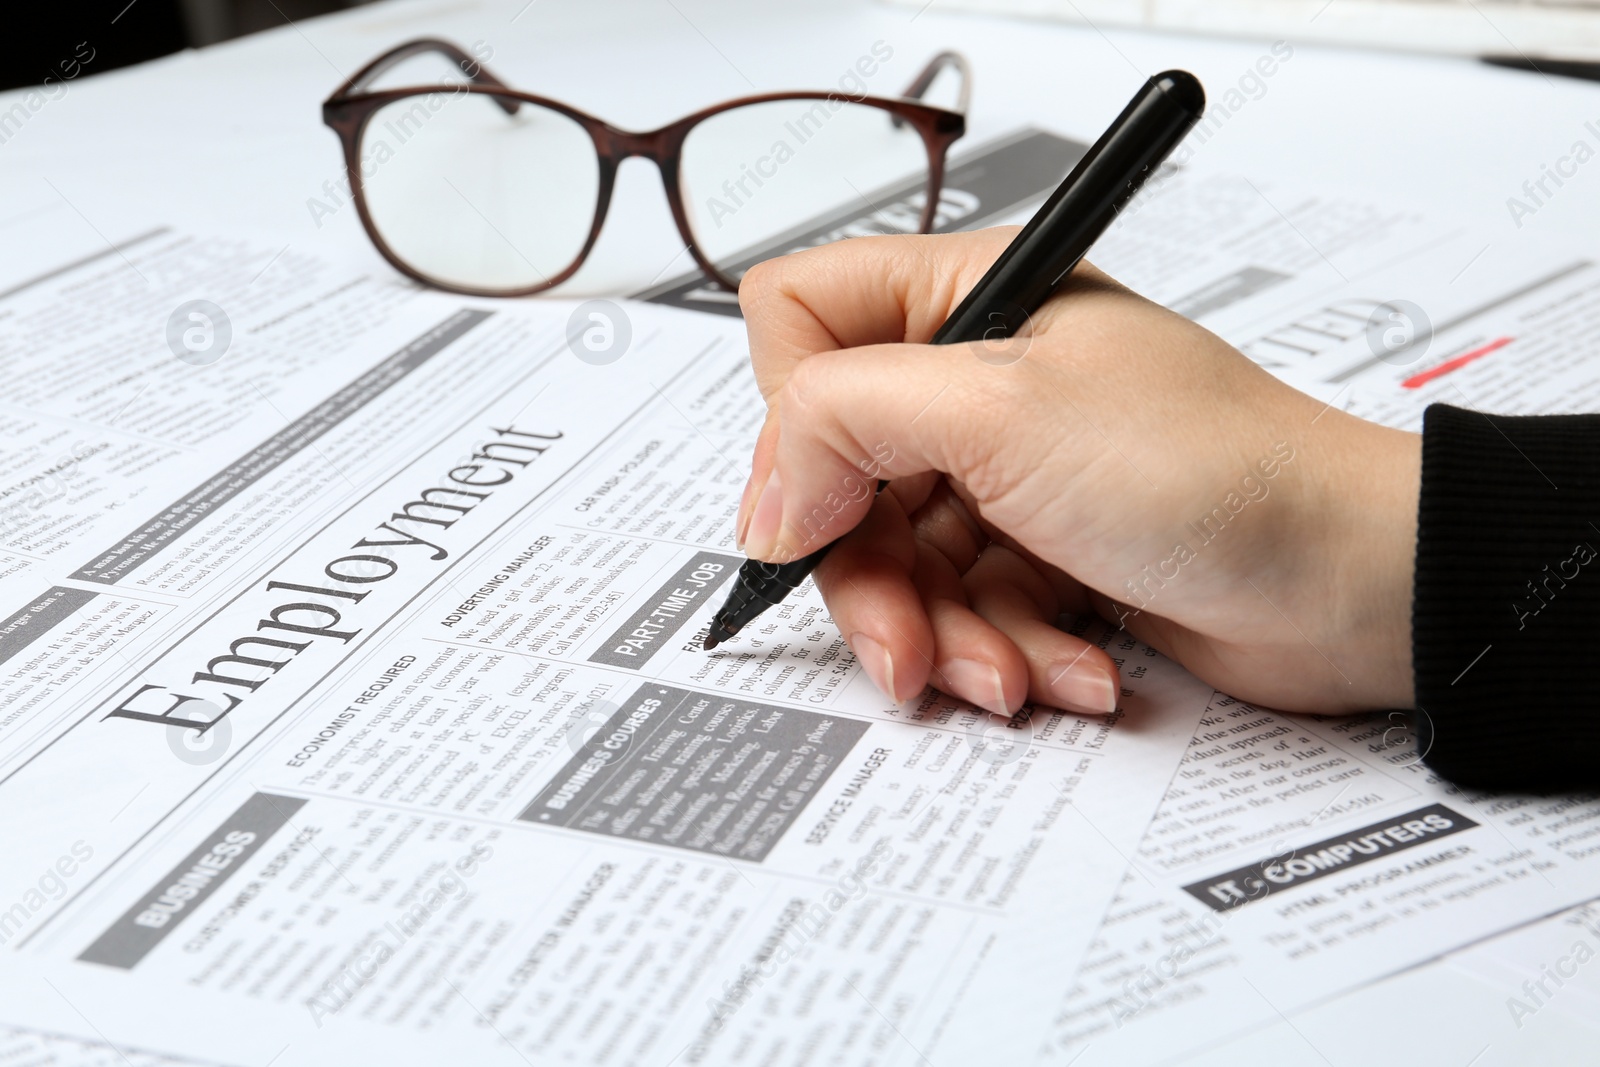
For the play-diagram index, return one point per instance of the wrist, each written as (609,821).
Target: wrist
(1371,518)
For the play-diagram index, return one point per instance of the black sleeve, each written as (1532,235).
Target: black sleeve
(1505,619)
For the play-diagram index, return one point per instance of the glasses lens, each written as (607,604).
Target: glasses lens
(469,195)
(763,179)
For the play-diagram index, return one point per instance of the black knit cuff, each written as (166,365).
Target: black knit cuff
(1506,617)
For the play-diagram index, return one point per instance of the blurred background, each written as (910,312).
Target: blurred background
(1551,36)
(41,34)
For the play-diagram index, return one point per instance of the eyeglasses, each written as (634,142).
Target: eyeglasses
(477,188)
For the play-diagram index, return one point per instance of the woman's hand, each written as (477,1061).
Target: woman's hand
(1116,458)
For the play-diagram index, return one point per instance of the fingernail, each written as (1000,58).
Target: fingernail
(762,535)
(874,659)
(742,521)
(1083,687)
(977,682)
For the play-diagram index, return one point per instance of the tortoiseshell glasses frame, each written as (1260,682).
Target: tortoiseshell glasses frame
(353,105)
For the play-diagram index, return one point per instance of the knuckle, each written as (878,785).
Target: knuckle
(808,384)
(759,285)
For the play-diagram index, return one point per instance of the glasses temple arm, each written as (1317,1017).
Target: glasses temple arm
(936,66)
(474,71)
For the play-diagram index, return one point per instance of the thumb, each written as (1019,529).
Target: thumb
(851,417)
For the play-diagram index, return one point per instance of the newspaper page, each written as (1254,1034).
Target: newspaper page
(338,600)
(352,705)
(1380,310)
(1296,857)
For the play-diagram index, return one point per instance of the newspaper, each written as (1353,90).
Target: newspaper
(340,599)
(1296,858)
(352,704)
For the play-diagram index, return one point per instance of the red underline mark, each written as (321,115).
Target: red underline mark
(1417,381)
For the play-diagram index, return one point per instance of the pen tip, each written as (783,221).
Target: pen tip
(717,633)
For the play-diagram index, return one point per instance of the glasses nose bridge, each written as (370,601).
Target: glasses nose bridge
(626,144)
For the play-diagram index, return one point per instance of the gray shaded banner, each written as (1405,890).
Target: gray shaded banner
(191,882)
(1228,290)
(150,537)
(980,187)
(22,628)
(651,627)
(700,771)
(1336,855)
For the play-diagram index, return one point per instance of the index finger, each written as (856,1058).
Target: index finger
(860,291)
